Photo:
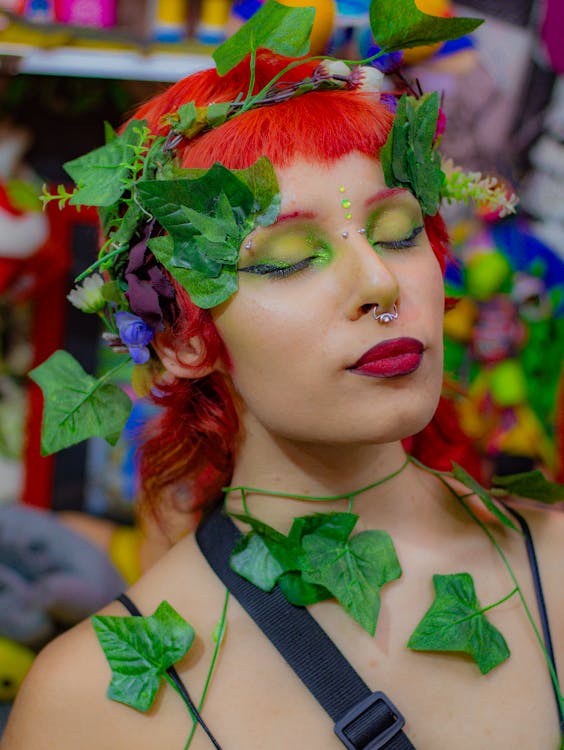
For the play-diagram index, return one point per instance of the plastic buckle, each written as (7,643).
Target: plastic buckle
(360,708)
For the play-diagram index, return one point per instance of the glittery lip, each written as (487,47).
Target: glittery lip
(390,358)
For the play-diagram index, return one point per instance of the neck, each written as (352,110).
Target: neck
(280,467)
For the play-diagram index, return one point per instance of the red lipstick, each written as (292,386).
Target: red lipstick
(390,358)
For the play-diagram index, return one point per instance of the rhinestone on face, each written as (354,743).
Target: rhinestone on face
(248,245)
(344,235)
(362,230)
(346,203)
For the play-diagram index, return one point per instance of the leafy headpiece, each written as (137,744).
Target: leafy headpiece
(157,216)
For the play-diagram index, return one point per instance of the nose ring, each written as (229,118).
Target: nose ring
(385,317)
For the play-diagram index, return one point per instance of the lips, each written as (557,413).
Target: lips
(390,358)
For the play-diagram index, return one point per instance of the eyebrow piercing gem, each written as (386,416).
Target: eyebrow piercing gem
(248,245)
(362,230)
(346,203)
(341,188)
(385,317)
(348,216)
(344,235)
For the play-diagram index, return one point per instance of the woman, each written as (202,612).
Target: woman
(303,384)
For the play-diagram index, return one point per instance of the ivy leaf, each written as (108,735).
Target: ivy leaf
(76,405)
(353,570)
(455,622)
(335,525)
(469,481)
(261,180)
(101,175)
(283,549)
(205,292)
(279,28)
(532,485)
(409,159)
(139,650)
(252,559)
(399,24)
(299,592)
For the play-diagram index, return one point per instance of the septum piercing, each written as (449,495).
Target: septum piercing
(387,316)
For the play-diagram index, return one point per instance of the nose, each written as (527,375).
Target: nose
(373,283)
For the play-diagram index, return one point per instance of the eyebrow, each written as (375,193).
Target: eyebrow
(383,195)
(295,215)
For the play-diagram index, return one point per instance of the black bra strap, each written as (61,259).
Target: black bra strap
(541,602)
(173,674)
(363,720)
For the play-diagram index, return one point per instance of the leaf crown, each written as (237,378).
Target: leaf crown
(161,220)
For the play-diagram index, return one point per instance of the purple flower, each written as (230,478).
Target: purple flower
(135,334)
(148,289)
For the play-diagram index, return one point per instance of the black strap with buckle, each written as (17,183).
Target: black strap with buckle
(363,720)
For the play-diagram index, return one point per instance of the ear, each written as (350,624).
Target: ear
(182,358)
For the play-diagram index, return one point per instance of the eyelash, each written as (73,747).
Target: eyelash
(266,269)
(400,244)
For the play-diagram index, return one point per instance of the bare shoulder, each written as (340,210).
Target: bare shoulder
(63,699)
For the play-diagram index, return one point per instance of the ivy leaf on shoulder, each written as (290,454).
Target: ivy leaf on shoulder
(76,405)
(279,28)
(101,175)
(205,291)
(139,650)
(532,485)
(468,481)
(455,622)
(399,24)
(300,593)
(353,570)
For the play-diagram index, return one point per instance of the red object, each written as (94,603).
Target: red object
(43,281)
(390,358)
(552,27)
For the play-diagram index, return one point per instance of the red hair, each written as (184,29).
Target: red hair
(194,437)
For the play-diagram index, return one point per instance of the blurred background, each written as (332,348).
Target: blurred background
(70,537)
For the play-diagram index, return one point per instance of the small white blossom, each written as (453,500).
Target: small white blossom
(88,295)
(330,68)
(366,78)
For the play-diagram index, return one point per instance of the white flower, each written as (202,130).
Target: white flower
(366,78)
(88,296)
(331,68)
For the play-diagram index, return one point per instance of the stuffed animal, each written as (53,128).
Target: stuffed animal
(50,576)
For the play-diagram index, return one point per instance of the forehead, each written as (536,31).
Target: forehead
(354,179)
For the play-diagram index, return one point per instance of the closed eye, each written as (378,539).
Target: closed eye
(278,271)
(403,243)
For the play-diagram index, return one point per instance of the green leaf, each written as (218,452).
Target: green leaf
(353,571)
(205,292)
(409,159)
(76,406)
(186,116)
(399,24)
(23,195)
(300,593)
(252,559)
(286,552)
(469,481)
(455,622)
(101,175)
(261,180)
(139,650)
(275,26)
(217,113)
(335,525)
(533,485)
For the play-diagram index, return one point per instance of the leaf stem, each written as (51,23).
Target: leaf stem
(99,262)
(496,604)
(219,641)
(317,498)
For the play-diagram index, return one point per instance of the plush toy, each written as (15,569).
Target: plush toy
(50,577)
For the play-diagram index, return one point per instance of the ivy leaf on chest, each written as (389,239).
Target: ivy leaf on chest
(139,650)
(353,569)
(456,622)
(318,560)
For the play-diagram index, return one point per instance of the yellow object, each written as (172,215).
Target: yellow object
(325,12)
(171,11)
(15,661)
(125,552)
(432,8)
(214,12)
(459,322)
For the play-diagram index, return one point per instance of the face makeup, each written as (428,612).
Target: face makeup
(391,358)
